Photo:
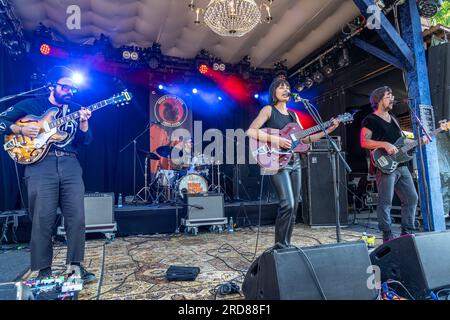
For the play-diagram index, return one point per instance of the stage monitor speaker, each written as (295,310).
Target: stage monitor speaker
(212,205)
(420,262)
(285,274)
(318,206)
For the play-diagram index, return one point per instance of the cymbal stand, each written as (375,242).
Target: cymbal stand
(218,188)
(146,188)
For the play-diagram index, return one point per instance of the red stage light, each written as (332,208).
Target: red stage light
(45,49)
(203,69)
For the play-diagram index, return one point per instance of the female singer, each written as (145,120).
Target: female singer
(287,181)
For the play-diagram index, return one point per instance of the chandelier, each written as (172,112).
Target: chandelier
(232,18)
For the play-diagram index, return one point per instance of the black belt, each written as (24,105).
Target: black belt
(58,153)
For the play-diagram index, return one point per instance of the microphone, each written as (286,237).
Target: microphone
(296,96)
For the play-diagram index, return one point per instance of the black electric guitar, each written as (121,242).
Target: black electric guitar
(387,163)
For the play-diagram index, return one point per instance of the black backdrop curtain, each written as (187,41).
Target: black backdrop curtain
(105,169)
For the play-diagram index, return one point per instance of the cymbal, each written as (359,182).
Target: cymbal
(150,155)
(164,151)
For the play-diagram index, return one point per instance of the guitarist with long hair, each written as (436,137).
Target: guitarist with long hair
(57,178)
(287,181)
(380,130)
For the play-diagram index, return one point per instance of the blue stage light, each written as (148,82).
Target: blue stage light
(160,87)
(194,91)
(220,98)
(256,96)
(78,78)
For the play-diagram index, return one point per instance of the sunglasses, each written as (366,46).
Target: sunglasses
(67,88)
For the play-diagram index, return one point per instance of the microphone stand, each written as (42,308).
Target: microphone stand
(134,141)
(419,125)
(22,94)
(334,150)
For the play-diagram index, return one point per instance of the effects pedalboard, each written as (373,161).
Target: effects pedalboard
(55,288)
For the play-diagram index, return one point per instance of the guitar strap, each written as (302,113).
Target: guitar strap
(398,125)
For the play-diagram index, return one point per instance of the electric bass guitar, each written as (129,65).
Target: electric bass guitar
(271,158)
(387,163)
(25,150)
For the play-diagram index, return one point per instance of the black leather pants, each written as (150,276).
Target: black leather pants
(287,184)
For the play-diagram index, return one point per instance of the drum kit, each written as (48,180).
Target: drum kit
(198,174)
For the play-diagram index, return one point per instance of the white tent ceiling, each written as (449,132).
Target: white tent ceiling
(299,27)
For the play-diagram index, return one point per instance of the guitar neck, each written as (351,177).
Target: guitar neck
(312,130)
(410,146)
(76,115)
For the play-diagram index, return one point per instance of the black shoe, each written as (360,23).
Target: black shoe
(44,273)
(406,231)
(79,270)
(387,236)
(87,276)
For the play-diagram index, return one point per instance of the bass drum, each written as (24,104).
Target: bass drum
(192,183)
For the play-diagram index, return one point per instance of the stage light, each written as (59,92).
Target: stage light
(429,8)
(299,86)
(160,87)
(328,71)
(216,66)
(318,76)
(134,56)
(194,91)
(222,67)
(126,55)
(45,49)
(153,63)
(256,96)
(219,98)
(203,69)
(309,82)
(78,78)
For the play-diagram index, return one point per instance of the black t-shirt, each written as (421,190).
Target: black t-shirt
(39,106)
(381,129)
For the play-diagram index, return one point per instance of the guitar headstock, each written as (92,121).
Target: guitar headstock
(445,125)
(122,99)
(345,118)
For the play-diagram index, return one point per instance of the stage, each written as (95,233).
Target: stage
(134,267)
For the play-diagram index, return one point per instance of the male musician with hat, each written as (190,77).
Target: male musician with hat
(56,180)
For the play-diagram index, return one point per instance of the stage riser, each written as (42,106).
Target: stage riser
(135,220)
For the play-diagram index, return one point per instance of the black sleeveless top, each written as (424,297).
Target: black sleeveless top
(278,120)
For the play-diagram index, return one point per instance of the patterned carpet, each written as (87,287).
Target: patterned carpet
(134,267)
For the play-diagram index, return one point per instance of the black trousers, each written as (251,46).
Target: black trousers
(287,184)
(52,182)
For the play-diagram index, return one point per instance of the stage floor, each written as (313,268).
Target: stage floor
(134,267)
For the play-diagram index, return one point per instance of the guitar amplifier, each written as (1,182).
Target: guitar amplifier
(99,213)
(204,209)
(324,145)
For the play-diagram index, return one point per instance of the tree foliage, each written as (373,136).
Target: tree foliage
(443,15)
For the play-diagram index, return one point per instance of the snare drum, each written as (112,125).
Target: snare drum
(192,183)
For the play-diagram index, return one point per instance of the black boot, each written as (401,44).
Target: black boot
(406,231)
(77,269)
(387,236)
(44,273)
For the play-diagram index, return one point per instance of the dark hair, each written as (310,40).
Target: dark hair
(377,95)
(58,72)
(273,89)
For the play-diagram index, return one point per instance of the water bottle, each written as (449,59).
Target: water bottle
(230,225)
(119,201)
